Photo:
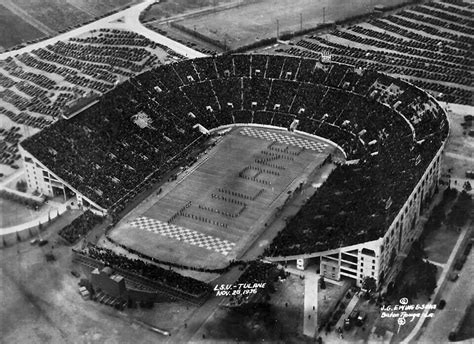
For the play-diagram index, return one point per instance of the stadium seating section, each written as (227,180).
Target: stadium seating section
(142,127)
(165,277)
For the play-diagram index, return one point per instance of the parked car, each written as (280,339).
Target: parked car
(347,324)
(361,318)
(354,314)
(441,304)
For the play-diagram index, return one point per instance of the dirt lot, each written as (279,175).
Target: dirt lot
(40,303)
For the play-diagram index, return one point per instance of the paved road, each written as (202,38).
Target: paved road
(129,20)
(457,295)
(459,156)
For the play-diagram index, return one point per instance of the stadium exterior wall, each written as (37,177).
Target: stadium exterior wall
(42,179)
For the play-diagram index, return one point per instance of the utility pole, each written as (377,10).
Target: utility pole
(324,15)
(301,21)
(278,29)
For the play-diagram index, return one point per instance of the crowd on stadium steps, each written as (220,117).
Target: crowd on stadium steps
(80,226)
(107,151)
(150,271)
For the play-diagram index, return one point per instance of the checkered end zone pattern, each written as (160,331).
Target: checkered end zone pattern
(183,234)
(285,139)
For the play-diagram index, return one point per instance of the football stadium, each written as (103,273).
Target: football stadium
(234,136)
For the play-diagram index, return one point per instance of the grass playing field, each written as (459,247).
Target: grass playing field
(211,216)
(252,22)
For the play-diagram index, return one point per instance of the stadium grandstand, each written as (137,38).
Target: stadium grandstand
(356,223)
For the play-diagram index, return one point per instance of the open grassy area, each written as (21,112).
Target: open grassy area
(211,201)
(13,213)
(167,9)
(257,20)
(466,332)
(439,244)
(14,30)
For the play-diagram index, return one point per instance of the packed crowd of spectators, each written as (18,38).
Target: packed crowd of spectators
(80,227)
(439,61)
(105,153)
(149,271)
(175,265)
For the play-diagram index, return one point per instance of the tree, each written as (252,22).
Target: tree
(21,186)
(467,186)
(322,283)
(461,210)
(426,280)
(369,283)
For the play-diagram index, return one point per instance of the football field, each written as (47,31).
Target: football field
(211,215)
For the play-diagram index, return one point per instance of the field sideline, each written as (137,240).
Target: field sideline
(210,216)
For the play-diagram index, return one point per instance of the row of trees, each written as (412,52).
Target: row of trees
(28,202)
(461,210)
(416,276)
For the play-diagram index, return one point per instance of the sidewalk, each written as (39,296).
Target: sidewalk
(310,325)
